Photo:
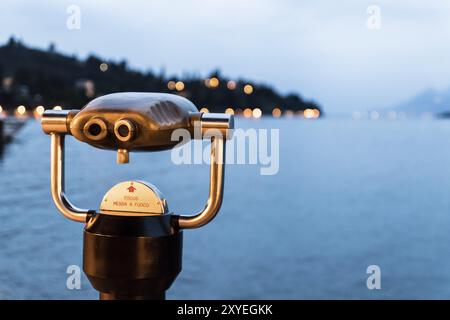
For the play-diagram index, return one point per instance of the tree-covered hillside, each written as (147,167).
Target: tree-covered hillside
(34,77)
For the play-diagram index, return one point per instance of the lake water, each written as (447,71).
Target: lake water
(348,194)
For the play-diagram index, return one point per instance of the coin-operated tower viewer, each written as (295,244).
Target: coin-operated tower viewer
(132,246)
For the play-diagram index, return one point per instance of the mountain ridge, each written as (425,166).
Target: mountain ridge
(427,101)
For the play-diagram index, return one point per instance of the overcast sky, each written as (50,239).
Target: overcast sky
(320,49)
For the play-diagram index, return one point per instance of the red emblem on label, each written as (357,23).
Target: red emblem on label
(131,188)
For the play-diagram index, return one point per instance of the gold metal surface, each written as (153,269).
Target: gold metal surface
(123,156)
(217,122)
(133,198)
(154,117)
(130,127)
(217,171)
(95,129)
(57,121)
(57,182)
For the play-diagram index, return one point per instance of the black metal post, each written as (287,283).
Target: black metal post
(129,257)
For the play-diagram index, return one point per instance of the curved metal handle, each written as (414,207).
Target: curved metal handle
(57,182)
(217,171)
(215,126)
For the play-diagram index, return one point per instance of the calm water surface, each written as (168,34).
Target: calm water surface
(348,195)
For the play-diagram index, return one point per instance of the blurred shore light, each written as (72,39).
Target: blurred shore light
(229,111)
(204,110)
(248,113)
(171,85)
(57,108)
(39,111)
(179,86)
(308,113)
(316,113)
(311,113)
(104,67)
(276,112)
(257,113)
(248,89)
(231,85)
(289,113)
(1,109)
(214,82)
(21,110)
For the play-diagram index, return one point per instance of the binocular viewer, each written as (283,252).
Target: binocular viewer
(135,122)
(133,243)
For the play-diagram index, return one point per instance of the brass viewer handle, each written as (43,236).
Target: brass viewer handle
(57,182)
(216,177)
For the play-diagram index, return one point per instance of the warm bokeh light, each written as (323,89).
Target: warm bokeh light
(231,85)
(316,113)
(57,108)
(248,89)
(1,109)
(229,111)
(308,113)
(21,110)
(248,113)
(311,113)
(104,67)
(39,111)
(179,86)
(204,110)
(257,113)
(213,82)
(171,85)
(276,112)
(238,111)
(289,113)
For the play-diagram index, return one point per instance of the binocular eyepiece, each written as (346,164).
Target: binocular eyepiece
(133,243)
